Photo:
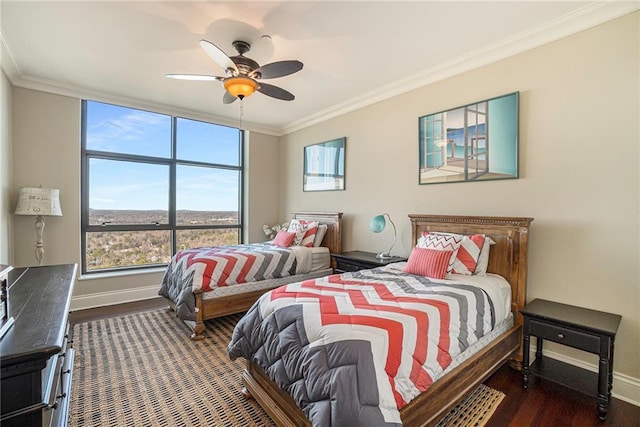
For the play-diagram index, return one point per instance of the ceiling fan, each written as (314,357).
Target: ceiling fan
(243,74)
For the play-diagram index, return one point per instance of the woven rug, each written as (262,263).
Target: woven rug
(143,370)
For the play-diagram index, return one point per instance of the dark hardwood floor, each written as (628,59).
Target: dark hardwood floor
(543,404)
(548,404)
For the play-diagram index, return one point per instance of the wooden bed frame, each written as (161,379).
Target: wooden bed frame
(223,306)
(508,258)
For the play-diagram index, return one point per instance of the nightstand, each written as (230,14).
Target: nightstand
(588,330)
(359,260)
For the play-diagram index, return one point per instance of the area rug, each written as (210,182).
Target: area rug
(143,370)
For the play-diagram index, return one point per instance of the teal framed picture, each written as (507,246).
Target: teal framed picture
(474,142)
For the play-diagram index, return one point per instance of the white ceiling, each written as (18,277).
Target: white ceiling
(354,52)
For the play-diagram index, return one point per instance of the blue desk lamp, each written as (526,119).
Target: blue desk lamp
(377,225)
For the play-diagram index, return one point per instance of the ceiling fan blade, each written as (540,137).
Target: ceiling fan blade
(228,98)
(194,77)
(218,55)
(275,92)
(278,69)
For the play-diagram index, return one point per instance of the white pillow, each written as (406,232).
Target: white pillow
(483,260)
(322,230)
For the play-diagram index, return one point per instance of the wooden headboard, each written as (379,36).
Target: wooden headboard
(508,257)
(333,238)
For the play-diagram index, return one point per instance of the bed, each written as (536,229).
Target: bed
(194,307)
(507,258)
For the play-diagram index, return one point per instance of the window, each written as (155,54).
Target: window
(153,184)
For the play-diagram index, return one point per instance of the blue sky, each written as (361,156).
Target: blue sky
(122,185)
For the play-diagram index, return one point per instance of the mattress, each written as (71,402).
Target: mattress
(320,258)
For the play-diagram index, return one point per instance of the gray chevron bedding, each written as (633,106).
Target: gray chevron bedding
(353,349)
(203,269)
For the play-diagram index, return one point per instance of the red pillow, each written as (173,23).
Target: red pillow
(284,238)
(428,262)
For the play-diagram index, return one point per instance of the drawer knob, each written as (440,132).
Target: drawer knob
(560,335)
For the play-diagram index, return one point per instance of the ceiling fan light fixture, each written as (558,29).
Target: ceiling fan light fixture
(242,72)
(240,86)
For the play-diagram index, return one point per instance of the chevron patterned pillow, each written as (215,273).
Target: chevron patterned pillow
(472,256)
(305,232)
(468,254)
(441,242)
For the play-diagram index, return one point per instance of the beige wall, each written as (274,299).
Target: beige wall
(46,134)
(579,161)
(46,151)
(262,184)
(6,179)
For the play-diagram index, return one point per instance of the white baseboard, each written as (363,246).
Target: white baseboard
(625,388)
(101,299)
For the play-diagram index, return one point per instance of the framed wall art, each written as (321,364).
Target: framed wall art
(324,166)
(475,142)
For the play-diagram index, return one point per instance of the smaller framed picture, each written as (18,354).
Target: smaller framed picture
(324,166)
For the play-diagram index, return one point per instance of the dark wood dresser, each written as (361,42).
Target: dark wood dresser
(36,357)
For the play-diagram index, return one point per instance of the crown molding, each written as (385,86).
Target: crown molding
(561,27)
(7,59)
(33,83)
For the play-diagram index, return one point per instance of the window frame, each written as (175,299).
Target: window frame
(172,162)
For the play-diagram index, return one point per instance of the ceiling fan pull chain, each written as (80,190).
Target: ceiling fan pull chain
(241,112)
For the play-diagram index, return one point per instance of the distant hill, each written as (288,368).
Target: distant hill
(184,217)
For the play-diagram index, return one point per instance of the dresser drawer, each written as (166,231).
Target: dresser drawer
(566,336)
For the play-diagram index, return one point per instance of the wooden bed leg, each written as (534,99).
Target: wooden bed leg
(198,330)
(246,393)
(515,364)
(198,325)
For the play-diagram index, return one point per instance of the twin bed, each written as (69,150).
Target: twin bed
(196,303)
(353,349)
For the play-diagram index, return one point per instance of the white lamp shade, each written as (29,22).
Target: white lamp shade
(39,201)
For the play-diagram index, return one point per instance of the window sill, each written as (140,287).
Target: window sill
(112,274)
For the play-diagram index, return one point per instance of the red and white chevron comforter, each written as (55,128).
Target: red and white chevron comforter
(211,267)
(353,349)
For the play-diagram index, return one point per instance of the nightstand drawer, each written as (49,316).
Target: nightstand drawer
(555,333)
(359,260)
(344,265)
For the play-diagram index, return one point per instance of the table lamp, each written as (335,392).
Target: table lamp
(377,225)
(39,202)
